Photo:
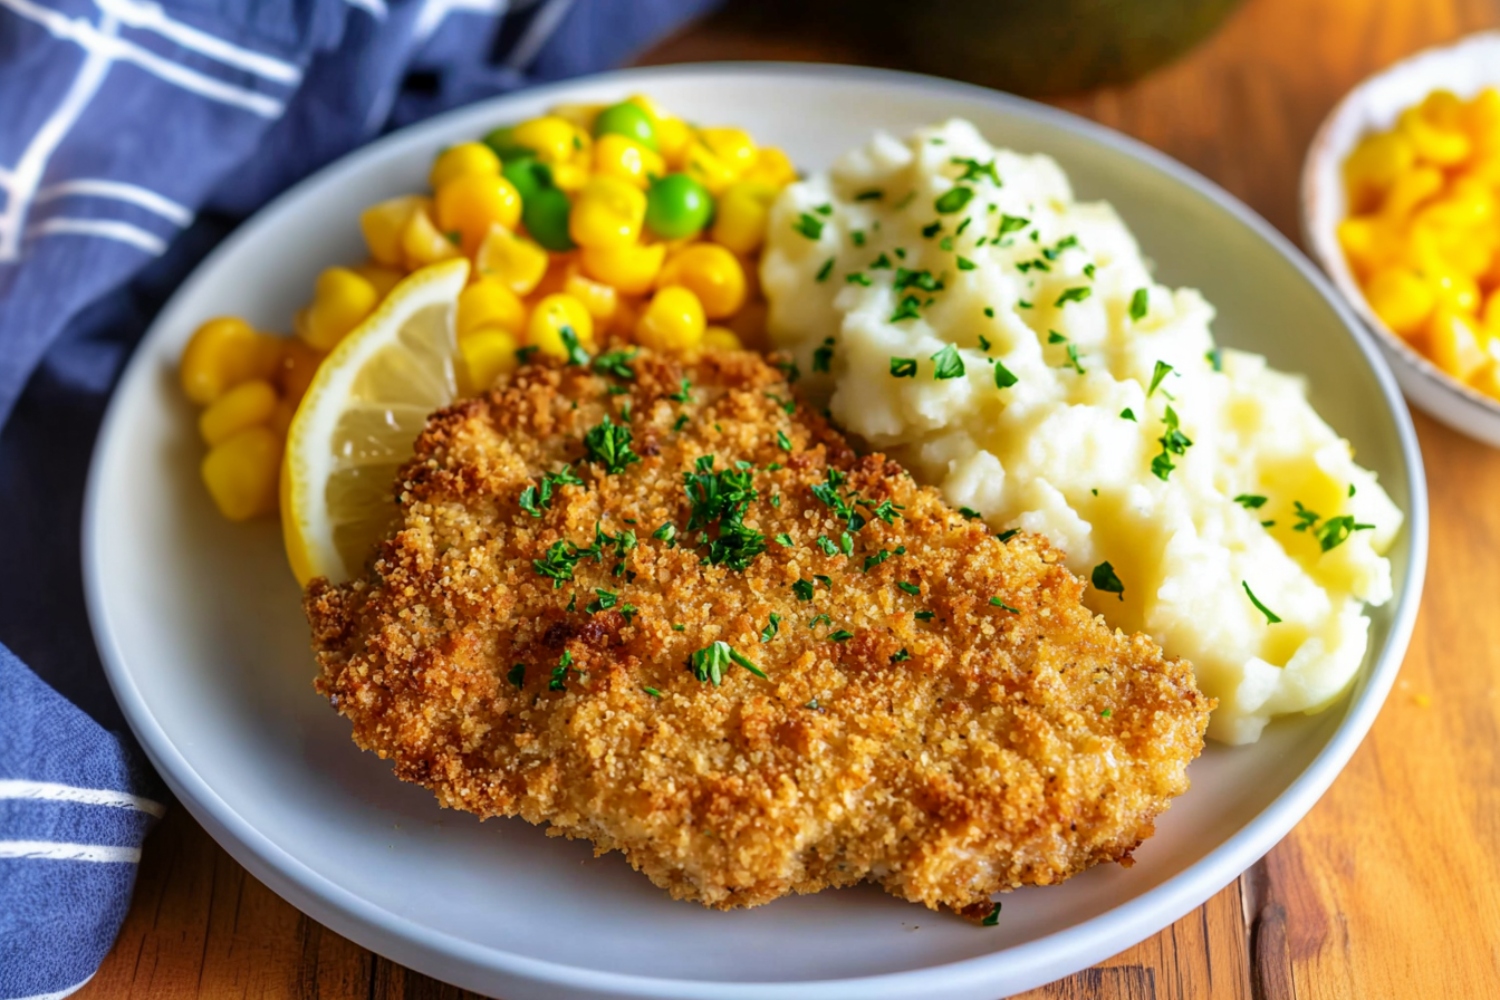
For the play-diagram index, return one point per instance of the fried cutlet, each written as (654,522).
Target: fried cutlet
(659,605)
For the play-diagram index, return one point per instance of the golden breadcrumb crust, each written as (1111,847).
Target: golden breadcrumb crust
(945,757)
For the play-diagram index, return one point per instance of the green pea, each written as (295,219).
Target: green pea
(527,175)
(545,213)
(677,206)
(504,146)
(629,120)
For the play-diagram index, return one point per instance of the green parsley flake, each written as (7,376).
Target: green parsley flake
(1073,361)
(785,540)
(825,270)
(712,661)
(1140,304)
(557,565)
(534,499)
(809,226)
(881,263)
(900,656)
(1271,617)
(1104,579)
(576,354)
(989,312)
(1159,372)
(903,367)
(652,692)
(559,681)
(1008,534)
(684,394)
(823,357)
(617,363)
(1128,414)
(1336,531)
(997,602)
(965,264)
(1250,501)
(1011,224)
(949,364)
(820,620)
(604,601)
(993,918)
(723,497)
(783,442)
(1073,295)
(609,445)
(827,545)
(803,589)
(875,560)
(666,533)
(1215,358)
(773,626)
(824,209)
(858,278)
(1173,442)
(909,588)
(517,675)
(953,200)
(906,309)
(1053,337)
(842,635)
(874,194)
(925,616)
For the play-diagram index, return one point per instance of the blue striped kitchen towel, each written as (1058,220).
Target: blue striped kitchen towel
(134,135)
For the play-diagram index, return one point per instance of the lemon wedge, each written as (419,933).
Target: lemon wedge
(359,419)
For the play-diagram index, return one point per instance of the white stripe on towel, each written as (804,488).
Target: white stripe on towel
(45,850)
(120,191)
(60,993)
(49,791)
(108,229)
(150,17)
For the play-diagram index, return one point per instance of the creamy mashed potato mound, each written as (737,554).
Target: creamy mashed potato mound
(1020,282)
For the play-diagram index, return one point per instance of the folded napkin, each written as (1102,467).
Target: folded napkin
(133,136)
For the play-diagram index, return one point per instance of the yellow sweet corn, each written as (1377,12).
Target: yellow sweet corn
(569,177)
(422,243)
(1409,191)
(622,157)
(552,138)
(489,303)
(712,274)
(1453,341)
(773,167)
(249,404)
(721,338)
(382,277)
(700,163)
(1437,145)
(1401,299)
(598,298)
(1455,290)
(1373,167)
(672,138)
(462,160)
(1369,242)
(225,352)
(629,270)
(517,263)
(384,225)
(469,205)
(341,300)
(609,213)
(673,321)
(732,147)
(741,214)
(242,472)
(1443,109)
(581,116)
(1481,120)
(551,316)
(484,355)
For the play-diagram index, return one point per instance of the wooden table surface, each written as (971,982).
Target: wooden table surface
(1389,888)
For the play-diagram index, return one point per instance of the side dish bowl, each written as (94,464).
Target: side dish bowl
(1465,68)
(199,625)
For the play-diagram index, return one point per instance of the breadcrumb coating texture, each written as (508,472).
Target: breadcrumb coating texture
(974,730)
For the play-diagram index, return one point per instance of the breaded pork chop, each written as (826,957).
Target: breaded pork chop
(661,607)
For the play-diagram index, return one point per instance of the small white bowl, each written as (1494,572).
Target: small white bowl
(1465,68)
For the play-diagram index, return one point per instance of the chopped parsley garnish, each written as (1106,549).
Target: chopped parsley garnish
(910,588)
(906,309)
(517,675)
(1054,252)
(809,226)
(984,343)
(828,493)
(524,354)
(1104,579)
(842,635)
(922,280)
(609,445)
(557,565)
(858,278)
(900,656)
(1159,372)
(1173,442)
(924,616)
(783,442)
(974,170)
(997,602)
(965,264)
(903,367)
(993,918)
(1140,304)
(684,393)
(823,356)
(666,533)
(680,422)
(886,510)
(823,209)
(652,692)
(1073,361)
(679,628)
(803,589)
(875,560)
(989,312)
(559,681)
(789,369)
(1088,271)
(846,543)
(932,229)
(1271,617)
(576,354)
(1011,224)
(617,363)
(1008,534)
(605,600)
(825,270)
(711,662)
(1073,295)
(827,545)
(1250,501)
(874,194)
(970,514)
(826,581)
(1215,358)
(788,406)
(773,626)
(1351,489)
(1336,531)
(1305,518)
(1053,337)
(820,620)
(535,498)
(1128,414)
(1032,265)
(881,263)
(948,363)
(722,497)
(953,200)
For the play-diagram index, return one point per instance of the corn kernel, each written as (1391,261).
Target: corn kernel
(1481,120)
(242,473)
(672,138)
(646,104)
(1488,380)
(703,166)
(465,159)
(773,167)
(1467,203)
(623,157)
(1409,191)
(673,321)
(223,353)
(249,404)
(551,316)
(630,270)
(609,212)
(382,277)
(518,264)
(742,212)
(489,303)
(733,147)
(422,243)
(581,116)
(1443,109)
(485,355)
(598,298)
(1435,248)
(471,204)
(384,224)
(570,177)
(1401,299)
(1373,167)
(1490,316)
(299,363)
(1453,341)
(1444,147)
(1457,291)
(721,338)
(711,273)
(553,139)
(1369,242)
(340,302)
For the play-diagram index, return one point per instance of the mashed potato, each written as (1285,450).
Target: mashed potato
(959,310)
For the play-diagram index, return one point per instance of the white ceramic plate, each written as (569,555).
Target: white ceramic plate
(200,630)
(1465,68)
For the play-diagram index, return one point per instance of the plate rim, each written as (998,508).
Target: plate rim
(1034,962)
